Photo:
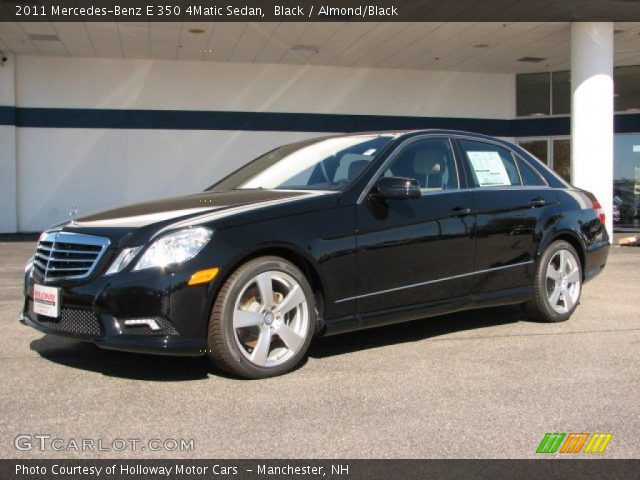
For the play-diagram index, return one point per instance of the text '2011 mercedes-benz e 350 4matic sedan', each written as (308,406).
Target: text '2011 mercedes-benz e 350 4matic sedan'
(316,238)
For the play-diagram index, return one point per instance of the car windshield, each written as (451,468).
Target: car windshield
(320,164)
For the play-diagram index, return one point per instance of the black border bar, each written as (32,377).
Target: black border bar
(319,10)
(322,469)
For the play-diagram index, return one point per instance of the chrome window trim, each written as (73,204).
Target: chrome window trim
(413,285)
(507,188)
(544,165)
(72,238)
(367,189)
(393,155)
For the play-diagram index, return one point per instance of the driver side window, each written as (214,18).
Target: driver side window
(430,162)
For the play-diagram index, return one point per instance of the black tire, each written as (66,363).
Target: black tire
(540,308)
(224,350)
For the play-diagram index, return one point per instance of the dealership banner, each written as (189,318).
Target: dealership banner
(316,469)
(318,10)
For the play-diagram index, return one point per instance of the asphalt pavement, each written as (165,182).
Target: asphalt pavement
(482,384)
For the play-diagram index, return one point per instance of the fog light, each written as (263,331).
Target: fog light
(148,322)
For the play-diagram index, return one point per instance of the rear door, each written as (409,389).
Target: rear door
(513,206)
(417,251)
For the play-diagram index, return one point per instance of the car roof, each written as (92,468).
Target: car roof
(410,133)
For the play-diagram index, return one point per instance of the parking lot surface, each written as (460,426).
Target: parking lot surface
(477,384)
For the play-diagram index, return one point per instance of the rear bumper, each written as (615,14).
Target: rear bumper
(596,255)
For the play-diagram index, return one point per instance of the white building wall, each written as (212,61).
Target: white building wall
(8,179)
(93,169)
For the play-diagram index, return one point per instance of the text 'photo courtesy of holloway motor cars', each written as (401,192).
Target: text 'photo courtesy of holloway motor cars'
(318,238)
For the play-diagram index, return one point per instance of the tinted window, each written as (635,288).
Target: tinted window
(490,165)
(428,161)
(530,177)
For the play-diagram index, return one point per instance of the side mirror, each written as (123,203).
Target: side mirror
(397,188)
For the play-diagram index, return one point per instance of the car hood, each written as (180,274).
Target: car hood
(158,214)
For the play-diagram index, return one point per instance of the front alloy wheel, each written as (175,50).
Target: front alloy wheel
(271,319)
(263,319)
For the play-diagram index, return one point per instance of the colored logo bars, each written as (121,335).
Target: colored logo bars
(573,442)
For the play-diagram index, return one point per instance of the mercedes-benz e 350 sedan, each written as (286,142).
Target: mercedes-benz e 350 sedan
(316,238)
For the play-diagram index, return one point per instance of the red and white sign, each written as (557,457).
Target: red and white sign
(46,301)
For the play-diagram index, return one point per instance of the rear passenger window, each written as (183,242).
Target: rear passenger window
(530,177)
(490,165)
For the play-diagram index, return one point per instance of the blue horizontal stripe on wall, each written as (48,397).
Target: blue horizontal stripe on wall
(7,116)
(251,121)
(293,122)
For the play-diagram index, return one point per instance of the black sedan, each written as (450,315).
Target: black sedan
(316,238)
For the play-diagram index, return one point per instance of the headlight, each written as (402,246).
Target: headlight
(123,259)
(176,247)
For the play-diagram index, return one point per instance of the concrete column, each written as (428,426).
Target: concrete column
(8,166)
(592,111)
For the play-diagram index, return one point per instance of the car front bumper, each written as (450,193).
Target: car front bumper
(97,311)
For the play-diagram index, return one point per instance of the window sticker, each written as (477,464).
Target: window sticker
(489,169)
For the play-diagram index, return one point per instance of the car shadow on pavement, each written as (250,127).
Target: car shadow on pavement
(416,330)
(86,356)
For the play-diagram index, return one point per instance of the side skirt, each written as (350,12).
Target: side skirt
(426,310)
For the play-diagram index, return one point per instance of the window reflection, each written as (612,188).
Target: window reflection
(626,182)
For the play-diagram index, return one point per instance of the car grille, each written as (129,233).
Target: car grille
(66,256)
(71,321)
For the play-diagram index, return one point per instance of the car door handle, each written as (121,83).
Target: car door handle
(460,212)
(537,202)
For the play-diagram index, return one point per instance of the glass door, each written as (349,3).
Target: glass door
(561,148)
(554,151)
(538,147)
(626,183)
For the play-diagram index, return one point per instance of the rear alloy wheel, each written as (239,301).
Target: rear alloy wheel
(558,284)
(263,319)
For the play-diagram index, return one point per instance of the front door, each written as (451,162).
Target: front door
(417,251)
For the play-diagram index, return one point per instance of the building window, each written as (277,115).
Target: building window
(550,93)
(561,93)
(627,90)
(533,94)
